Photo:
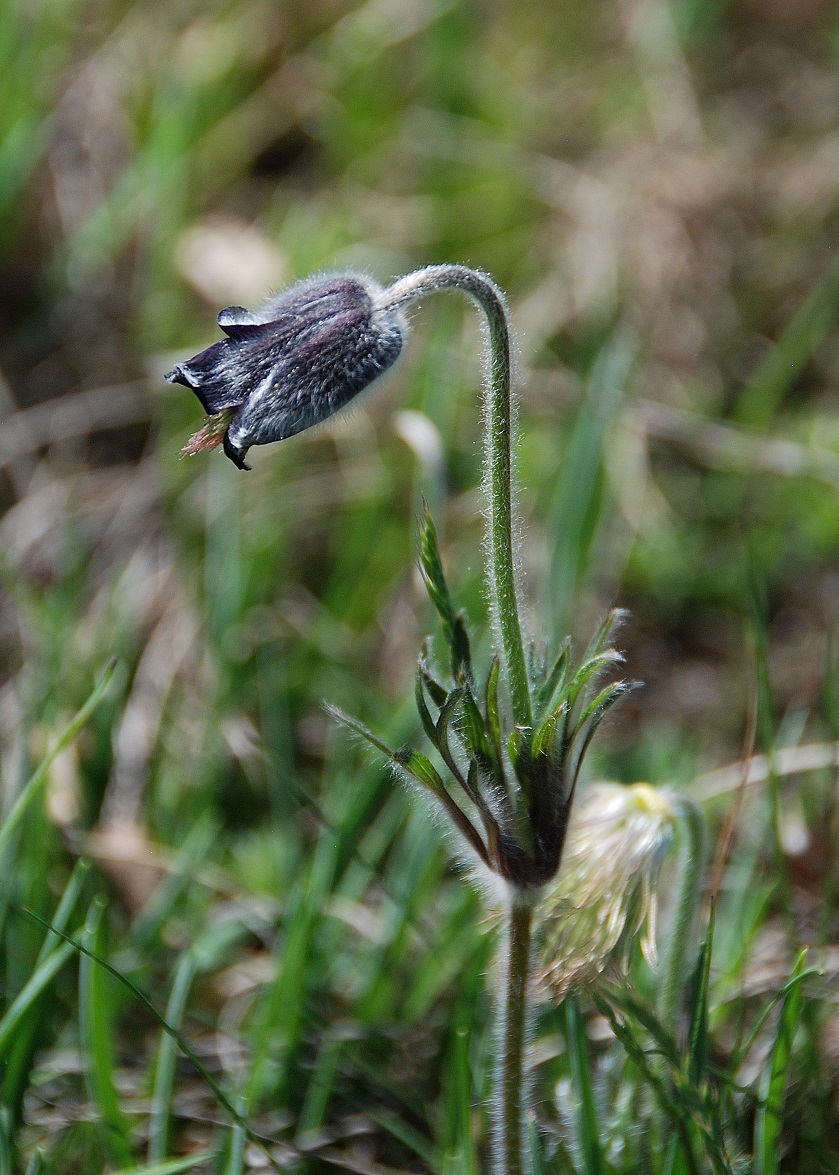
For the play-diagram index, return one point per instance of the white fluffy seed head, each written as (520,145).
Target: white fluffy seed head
(606,890)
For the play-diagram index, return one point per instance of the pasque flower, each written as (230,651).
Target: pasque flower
(606,890)
(510,742)
(291,364)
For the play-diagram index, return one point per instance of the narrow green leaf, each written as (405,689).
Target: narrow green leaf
(614,694)
(431,566)
(604,633)
(601,704)
(359,728)
(459,1158)
(97,1042)
(454,628)
(675,1162)
(277,1035)
(406,759)
(588,670)
(769,1115)
(589,1130)
(38,982)
(461,651)
(545,738)
(67,904)
(739,1054)
(474,733)
(23,1019)
(442,728)
(698,1043)
(492,710)
(164,1076)
(193,851)
(785,361)
(517,749)
(5,1141)
(697,1063)
(493,832)
(437,692)
(398,1125)
(39,778)
(236,1158)
(320,1088)
(667,1097)
(170,1167)
(555,680)
(575,512)
(421,769)
(219,1094)
(422,707)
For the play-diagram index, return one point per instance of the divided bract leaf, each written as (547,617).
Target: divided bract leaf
(359,728)
(427,721)
(406,758)
(519,750)
(437,692)
(604,633)
(441,739)
(461,652)
(454,628)
(545,738)
(555,681)
(421,768)
(589,669)
(474,733)
(493,715)
(599,706)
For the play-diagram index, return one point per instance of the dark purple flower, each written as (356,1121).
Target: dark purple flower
(293,363)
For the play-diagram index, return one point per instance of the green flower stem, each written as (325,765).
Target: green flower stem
(498,456)
(511,1081)
(509,1157)
(691,847)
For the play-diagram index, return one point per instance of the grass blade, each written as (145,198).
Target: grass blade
(575,511)
(236,1159)
(164,1077)
(39,778)
(588,1127)
(172,1167)
(20,1051)
(97,1041)
(785,361)
(23,1002)
(219,1094)
(769,1116)
(698,1046)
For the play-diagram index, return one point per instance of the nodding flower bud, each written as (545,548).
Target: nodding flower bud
(293,363)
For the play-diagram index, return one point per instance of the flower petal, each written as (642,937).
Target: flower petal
(294,362)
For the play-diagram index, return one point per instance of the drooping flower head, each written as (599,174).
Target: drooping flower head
(605,892)
(291,364)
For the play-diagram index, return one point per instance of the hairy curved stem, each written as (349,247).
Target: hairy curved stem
(514,972)
(498,457)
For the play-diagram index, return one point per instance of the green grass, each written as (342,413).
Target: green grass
(193,840)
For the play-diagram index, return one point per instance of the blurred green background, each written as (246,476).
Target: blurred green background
(655,183)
